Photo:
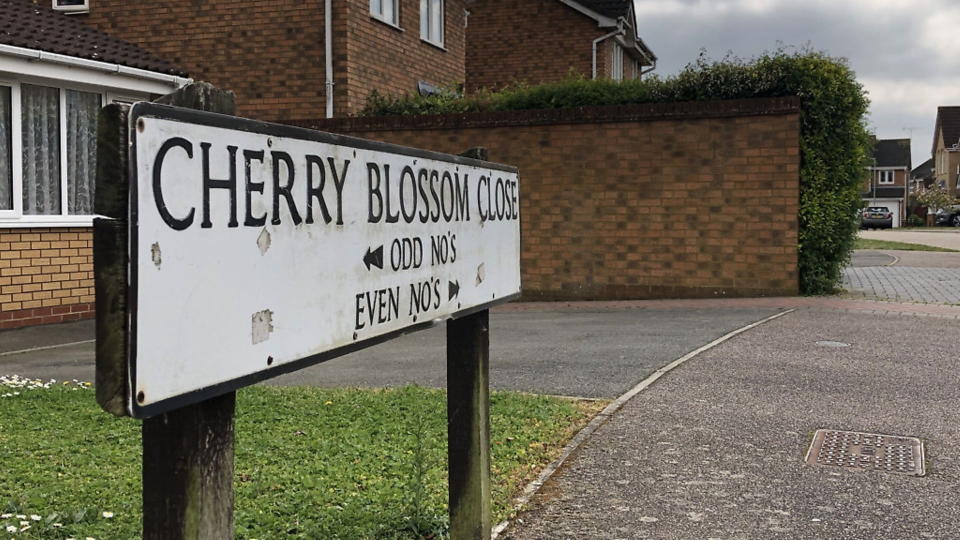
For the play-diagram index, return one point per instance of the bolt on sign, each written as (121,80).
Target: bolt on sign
(257,249)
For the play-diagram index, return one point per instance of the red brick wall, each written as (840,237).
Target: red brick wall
(532,41)
(392,61)
(655,201)
(271,52)
(46,275)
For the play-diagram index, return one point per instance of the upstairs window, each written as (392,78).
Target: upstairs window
(431,21)
(386,10)
(616,69)
(884,177)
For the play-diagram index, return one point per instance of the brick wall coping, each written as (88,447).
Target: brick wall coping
(575,115)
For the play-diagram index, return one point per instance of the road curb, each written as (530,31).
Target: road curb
(533,487)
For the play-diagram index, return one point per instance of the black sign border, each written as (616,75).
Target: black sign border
(166,112)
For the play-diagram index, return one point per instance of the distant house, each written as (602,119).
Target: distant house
(537,41)
(922,177)
(946,149)
(888,176)
(55,74)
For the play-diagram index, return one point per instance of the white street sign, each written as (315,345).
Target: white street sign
(258,249)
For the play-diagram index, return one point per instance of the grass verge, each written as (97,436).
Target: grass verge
(310,463)
(864,243)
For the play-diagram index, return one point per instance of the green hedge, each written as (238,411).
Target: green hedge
(834,140)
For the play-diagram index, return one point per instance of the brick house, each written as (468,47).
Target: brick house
(888,177)
(274,53)
(537,41)
(946,149)
(55,74)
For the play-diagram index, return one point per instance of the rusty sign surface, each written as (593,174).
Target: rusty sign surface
(258,249)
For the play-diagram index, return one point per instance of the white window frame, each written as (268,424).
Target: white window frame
(616,64)
(885,177)
(72,10)
(378,14)
(15,217)
(426,19)
(16,155)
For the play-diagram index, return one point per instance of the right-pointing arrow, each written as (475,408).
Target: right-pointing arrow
(454,289)
(374,258)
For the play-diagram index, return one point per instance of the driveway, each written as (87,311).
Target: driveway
(588,353)
(905,276)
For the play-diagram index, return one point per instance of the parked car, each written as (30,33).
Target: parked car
(949,216)
(876,217)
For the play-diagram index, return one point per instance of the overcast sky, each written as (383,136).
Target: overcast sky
(904,52)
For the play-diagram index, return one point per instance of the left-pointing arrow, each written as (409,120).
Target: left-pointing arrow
(374,258)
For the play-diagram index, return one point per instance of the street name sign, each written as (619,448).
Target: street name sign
(257,249)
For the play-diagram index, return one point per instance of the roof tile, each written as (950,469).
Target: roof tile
(608,8)
(892,153)
(24,23)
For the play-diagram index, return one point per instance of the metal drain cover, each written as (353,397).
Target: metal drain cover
(867,451)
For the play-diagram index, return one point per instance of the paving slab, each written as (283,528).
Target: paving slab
(715,449)
(904,283)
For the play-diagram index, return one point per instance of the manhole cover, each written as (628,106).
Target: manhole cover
(867,451)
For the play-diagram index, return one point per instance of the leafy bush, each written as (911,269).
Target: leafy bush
(915,221)
(834,142)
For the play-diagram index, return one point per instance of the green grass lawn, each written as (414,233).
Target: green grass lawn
(310,463)
(863,243)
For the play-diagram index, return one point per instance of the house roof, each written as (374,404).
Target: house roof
(26,24)
(608,8)
(892,153)
(924,170)
(607,13)
(948,119)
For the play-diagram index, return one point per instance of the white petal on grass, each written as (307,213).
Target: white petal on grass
(107,515)
(11,528)
(35,517)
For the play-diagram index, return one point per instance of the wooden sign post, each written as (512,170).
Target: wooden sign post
(233,251)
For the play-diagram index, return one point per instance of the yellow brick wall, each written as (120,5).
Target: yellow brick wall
(46,275)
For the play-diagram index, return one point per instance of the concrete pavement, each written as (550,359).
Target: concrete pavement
(716,448)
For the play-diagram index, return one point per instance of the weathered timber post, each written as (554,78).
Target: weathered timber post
(468,419)
(188,452)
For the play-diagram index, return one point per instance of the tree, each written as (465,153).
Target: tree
(936,198)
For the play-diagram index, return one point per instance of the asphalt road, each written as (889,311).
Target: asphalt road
(597,354)
(716,448)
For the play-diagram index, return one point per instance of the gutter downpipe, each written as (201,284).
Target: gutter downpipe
(97,65)
(617,32)
(652,67)
(328,54)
